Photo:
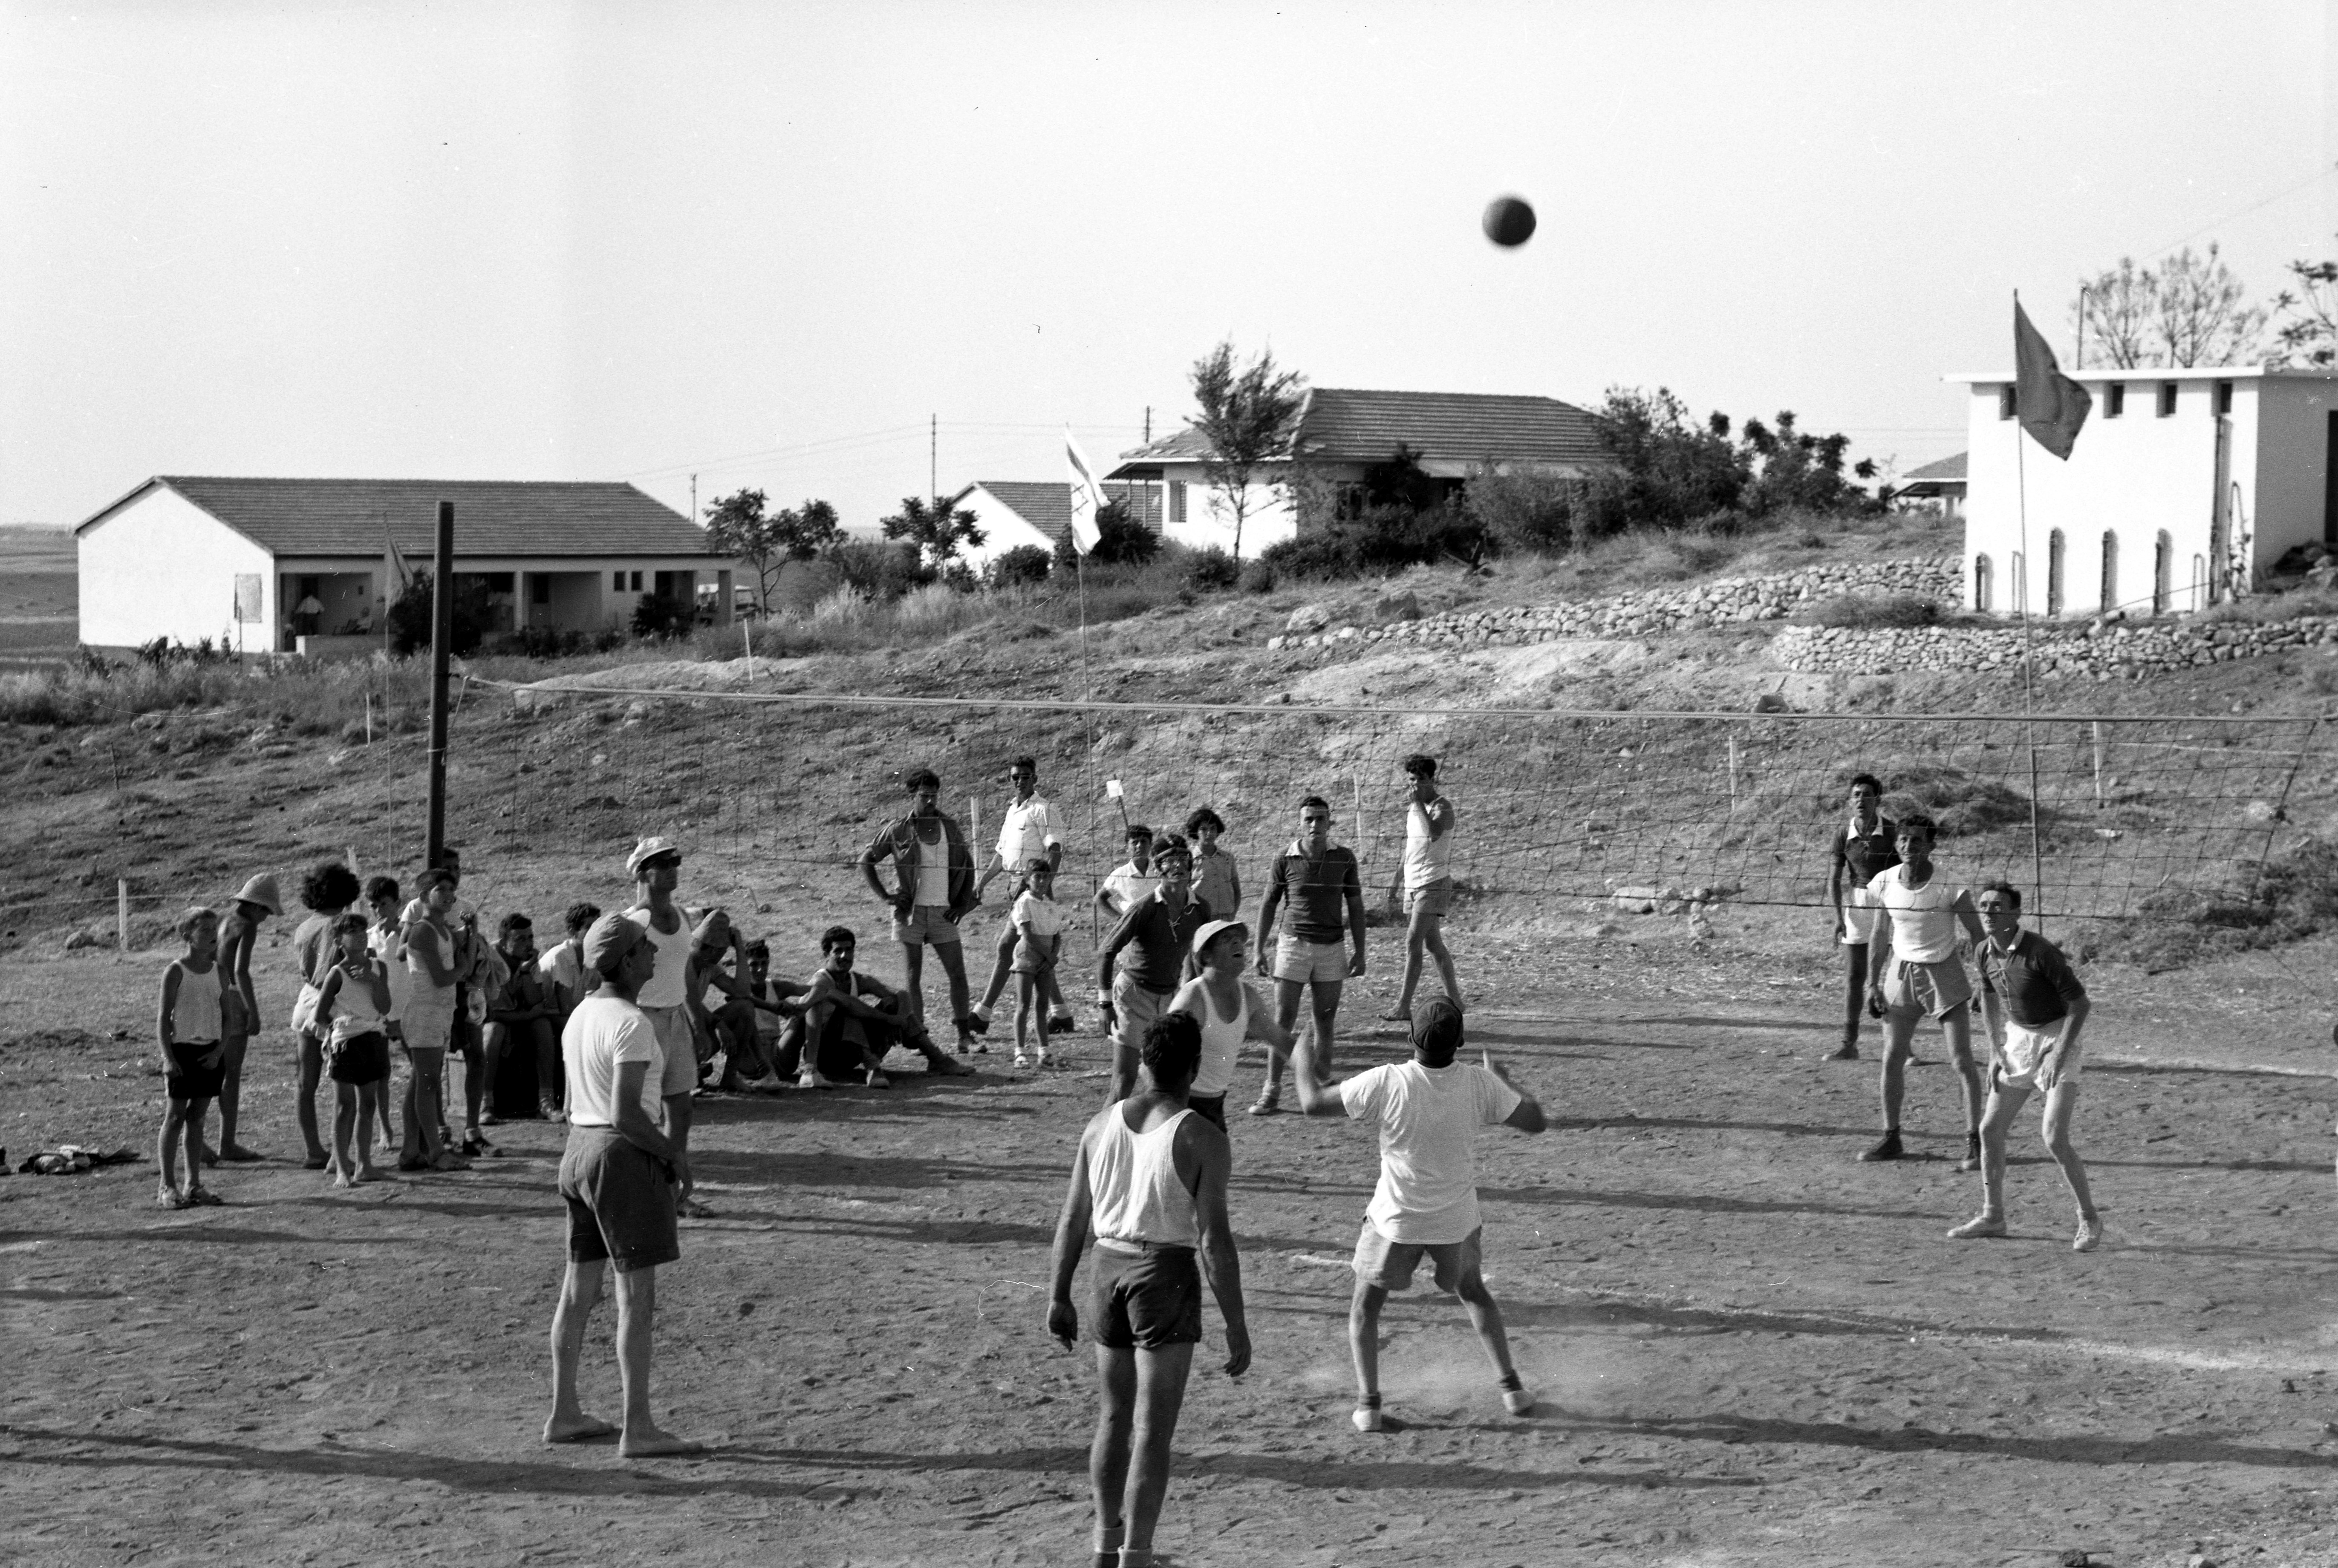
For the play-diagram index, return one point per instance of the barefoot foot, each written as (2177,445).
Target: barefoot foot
(577,1429)
(650,1442)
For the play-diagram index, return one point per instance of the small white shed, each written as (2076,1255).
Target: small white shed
(2182,488)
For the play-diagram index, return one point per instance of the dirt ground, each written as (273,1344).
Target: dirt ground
(1750,1348)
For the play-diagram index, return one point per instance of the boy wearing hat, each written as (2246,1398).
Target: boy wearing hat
(618,1177)
(238,932)
(667,998)
(1429,1110)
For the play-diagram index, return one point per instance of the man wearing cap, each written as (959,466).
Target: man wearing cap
(1429,1111)
(936,869)
(618,1178)
(1228,1011)
(238,934)
(1155,929)
(667,999)
(1027,832)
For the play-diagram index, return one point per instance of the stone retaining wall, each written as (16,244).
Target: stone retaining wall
(2102,651)
(1697,607)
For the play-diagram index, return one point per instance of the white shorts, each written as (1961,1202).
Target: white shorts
(2019,1057)
(1859,916)
(679,1047)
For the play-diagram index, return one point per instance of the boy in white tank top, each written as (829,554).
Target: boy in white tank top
(1149,1184)
(1913,972)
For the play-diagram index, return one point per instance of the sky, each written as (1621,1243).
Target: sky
(810,248)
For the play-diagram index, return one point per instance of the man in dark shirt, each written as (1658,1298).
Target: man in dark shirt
(1155,930)
(1862,847)
(2036,1007)
(1321,882)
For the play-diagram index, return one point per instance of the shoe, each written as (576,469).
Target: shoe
(810,1078)
(943,1067)
(877,1080)
(1846,1052)
(1039,1060)
(413,1162)
(1367,1418)
(981,1047)
(314,1162)
(1021,1060)
(1062,1023)
(554,1114)
(1887,1149)
(204,1198)
(1972,1162)
(2090,1233)
(977,1022)
(1270,1104)
(1978,1226)
(1519,1401)
(166,1199)
(236,1153)
(963,1043)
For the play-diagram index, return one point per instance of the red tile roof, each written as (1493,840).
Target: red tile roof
(1457,429)
(492,517)
(1947,469)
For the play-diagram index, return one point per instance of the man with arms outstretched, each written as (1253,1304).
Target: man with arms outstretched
(2036,1007)
(1913,973)
(1149,1184)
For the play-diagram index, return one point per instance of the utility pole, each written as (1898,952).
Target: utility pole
(442,638)
(1148,424)
(693,497)
(934,456)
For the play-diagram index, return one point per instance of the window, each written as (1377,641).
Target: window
(637,582)
(1176,500)
(616,582)
(2163,567)
(2223,396)
(2005,403)
(2166,398)
(2199,582)
(2111,571)
(2114,399)
(1982,572)
(2054,573)
(497,582)
(540,588)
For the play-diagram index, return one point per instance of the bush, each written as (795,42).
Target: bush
(1023,566)
(1962,803)
(2285,898)
(546,643)
(1525,513)
(1121,541)
(410,616)
(1212,571)
(878,571)
(1258,577)
(664,619)
(1386,537)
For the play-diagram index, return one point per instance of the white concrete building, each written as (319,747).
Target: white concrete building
(1341,432)
(2183,486)
(1035,511)
(234,560)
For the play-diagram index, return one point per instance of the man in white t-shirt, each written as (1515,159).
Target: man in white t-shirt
(1130,880)
(1913,972)
(1028,831)
(668,1000)
(618,1177)
(1428,883)
(1429,1111)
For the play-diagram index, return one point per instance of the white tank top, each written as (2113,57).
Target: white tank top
(1923,919)
(353,1009)
(1134,1179)
(1427,859)
(195,1013)
(1222,1040)
(669,983)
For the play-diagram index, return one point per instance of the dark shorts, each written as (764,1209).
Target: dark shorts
(620,1203)
(1145,1301)
(1211,1108)
(193,1081)
(360,1059)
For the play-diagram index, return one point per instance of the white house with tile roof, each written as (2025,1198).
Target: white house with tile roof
(1340,433)
(187,558)
(1033,511)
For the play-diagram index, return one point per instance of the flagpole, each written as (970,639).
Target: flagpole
(2029,661)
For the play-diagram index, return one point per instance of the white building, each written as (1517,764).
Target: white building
(1340,433)
(1012,512)
(2181,487)
(234,560)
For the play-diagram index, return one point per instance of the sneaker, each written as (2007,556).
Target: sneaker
(1887,1149)
(1270,1104)
(1519,1401)
(1978,1226)
(1846,1052)
(981,1047)
(1366,1417)
(2090,1233)
(204,1198)
(810,1078)
(1061,1023)
(981,1016)
(1021,1060)
(1040,1059)
(166,1199)
(1972,1162)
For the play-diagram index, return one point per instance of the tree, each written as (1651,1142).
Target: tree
(1122,539)
(2203,319)
(766,543)
(410,613)
(2114,314)
(937,529)
(2308,334)
(1244,414)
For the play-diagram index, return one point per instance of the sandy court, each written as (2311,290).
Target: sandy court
(1750,1348)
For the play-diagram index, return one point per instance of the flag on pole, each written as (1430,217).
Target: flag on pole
(2050,405)
(1087,495)
(397,576)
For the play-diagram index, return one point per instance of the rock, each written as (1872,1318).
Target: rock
(1772,703)
(1308,618)
(2264,811)
(146,724)
(82,936)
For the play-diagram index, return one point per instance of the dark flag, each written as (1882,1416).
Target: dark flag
(2050,405)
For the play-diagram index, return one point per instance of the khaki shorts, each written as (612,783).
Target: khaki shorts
(927,926)
(1390,1264)
(679,1047)
(1436,898)
(1134,1009)
(1926,990)
(1325,962)
(2024,1047)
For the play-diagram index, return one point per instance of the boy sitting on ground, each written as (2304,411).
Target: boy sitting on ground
(852,1020)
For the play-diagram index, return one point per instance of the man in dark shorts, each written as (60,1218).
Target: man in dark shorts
(1863,849)
(1321,881)
(935,871)
(618,1178)
(1149,1184)
(1156,931)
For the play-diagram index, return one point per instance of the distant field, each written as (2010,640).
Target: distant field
(39,607)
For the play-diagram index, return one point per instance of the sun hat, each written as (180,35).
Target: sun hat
(262,890)
(1210,930)
(611,938)
(649,849)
